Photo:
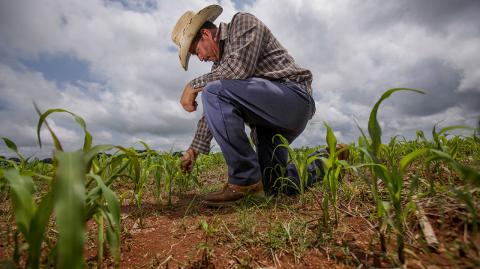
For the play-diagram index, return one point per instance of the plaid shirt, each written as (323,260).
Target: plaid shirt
(247,49)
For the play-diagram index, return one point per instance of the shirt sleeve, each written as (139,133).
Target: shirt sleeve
(242,51)
(203,137)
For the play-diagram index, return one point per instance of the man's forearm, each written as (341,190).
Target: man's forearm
(203,137)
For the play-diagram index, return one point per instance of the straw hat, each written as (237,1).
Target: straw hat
(187,27)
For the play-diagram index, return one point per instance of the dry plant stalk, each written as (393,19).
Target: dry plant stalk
(427,229)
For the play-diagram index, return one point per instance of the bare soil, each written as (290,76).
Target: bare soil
(281,232)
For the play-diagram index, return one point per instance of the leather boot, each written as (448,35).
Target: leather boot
(232,193)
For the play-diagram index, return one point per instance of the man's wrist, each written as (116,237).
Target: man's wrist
(192,152)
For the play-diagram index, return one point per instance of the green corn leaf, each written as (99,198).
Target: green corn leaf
(311,159)
(373,127)
(89,154)
(413,186)
(113,238)
(9,143)
(111,199)
(454,127)
(467,198)
(87,142)
(100,238)
(146,146)
(435,134)
(113,230)
(468,173)
(37,230)
(13,147)
(21,189)
(113,163)
(420,136)
(366,153)
(331,140)
(382,172)
(41,120)
(362,140)
(133,157)
(410,158)
(69,191)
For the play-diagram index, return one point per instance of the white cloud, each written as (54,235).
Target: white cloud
(356,50)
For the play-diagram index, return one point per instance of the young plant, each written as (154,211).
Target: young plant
(170,167)
(205,247)
(468,174)
(332,167)
(446,150)
(13,147)
(301,160)
(70,196)
(392,178)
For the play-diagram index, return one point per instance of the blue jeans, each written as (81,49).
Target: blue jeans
(271,108)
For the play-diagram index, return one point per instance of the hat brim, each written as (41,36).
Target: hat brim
(209,13)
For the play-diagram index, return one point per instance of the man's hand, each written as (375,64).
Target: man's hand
(188,160)
(188,98)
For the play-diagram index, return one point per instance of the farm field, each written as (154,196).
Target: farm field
(395,203)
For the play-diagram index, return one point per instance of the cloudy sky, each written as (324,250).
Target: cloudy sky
(113,63)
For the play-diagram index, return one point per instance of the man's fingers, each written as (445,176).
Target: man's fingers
(190,108)
(187,161)
(197,90)
(185,168)
(187,165)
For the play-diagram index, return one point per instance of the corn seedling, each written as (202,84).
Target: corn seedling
(469,174)
(70,199)
(301,159)
(332,167)
(392,178)
(13,147)
(171,169)
(205,247)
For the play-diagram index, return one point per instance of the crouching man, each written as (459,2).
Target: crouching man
(254,81)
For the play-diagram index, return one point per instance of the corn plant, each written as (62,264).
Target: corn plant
(392,178)
(13,147)
(332,167)
(469,174)
(70,198)
(158,174)
(147,166)
(205,247)
(170,166)
(301,160)
(446,150)
(184,181)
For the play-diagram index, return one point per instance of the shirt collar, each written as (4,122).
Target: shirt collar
(221,37)
(223,31)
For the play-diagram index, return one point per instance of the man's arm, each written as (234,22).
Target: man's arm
(200,144)
(189,95)
(243,51)
(203,137)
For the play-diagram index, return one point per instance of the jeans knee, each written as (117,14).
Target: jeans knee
(211,91)
(213,87)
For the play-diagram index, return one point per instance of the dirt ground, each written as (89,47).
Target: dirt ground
(172,238)
(278,232)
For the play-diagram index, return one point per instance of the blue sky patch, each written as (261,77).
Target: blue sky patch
(135,5)
(172,48)
(240,4)
(60,68)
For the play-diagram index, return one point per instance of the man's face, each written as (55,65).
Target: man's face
(205,48)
